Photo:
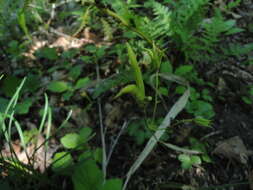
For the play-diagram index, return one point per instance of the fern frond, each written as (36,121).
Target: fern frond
(107,29)
(158,27)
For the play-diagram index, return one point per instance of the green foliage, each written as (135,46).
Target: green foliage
(68,88)
(87,176)
(187,161)
(62,161)
(248,98)
(201,147)
(108,30)
(58,86)
(139,131)
(74,140)
(137,89)
(47,53)
(238,50)
(200,104)
(161,31)
(111,82)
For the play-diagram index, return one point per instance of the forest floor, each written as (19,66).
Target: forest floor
(228,141)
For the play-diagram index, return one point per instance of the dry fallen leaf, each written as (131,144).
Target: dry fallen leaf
(42,157)
(233,149)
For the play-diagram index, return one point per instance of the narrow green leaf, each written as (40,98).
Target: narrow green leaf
(136,70)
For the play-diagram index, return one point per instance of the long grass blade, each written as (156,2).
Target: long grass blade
(175,110)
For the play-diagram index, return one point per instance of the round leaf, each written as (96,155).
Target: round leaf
(71,140)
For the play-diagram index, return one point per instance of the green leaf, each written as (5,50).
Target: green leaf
(166,67)
(206,158)
(229,24)
(98,155)
(180,89)
(47,53)
(186,165)
(136,70)
(195,160)
(75,72)
(67,95)
(61,161)
(91,48)
(112,184)
(10,84)
(202,121)
(247,100)
(3,104)
(131,89)
(200,108)
(23,107)
(183,70)
(185,161)
(22,23)
(84,133)
(184,158)
(32,83)
(69,54)
(85,155)
(164,91)
(70,140)
(58,86)
(73,140)
(87,176)
(234,31)
(82,83)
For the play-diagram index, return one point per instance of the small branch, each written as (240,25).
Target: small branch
(102,129)
(124,126)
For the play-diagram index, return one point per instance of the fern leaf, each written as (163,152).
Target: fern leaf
(107,29)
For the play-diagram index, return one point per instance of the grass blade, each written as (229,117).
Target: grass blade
(175,110)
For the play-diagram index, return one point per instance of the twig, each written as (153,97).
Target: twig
(102,129)
(124,126)
(211,134)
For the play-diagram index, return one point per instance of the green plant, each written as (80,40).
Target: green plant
(85,173)
(247,99)
(13,166)
(67,88)
(187,161)
(8,87)
(142,129)
(137,89)
(200,104)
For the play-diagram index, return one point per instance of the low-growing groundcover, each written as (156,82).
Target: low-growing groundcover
(117,94)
